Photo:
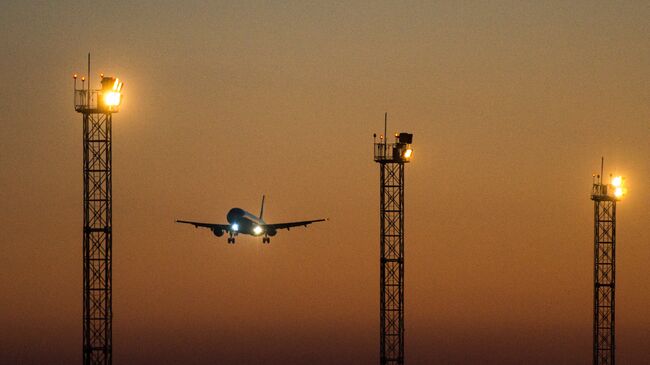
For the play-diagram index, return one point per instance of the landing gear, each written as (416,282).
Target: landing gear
(231,240)
(266,240)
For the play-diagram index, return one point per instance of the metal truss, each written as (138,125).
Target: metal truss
(97,241)
(604,275)
(392,262)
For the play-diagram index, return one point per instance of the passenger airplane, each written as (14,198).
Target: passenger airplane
(241,221)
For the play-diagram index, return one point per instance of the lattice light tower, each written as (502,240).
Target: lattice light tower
(391,158)
(97,108)
(605,197)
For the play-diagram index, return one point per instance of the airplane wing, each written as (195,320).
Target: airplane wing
(289,225)
(225,227)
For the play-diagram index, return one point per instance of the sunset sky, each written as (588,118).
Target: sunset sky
(511,103)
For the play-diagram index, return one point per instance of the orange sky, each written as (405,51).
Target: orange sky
(511,105)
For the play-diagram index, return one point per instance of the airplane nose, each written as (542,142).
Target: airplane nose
(233,214)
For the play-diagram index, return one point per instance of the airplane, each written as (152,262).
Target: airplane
(241,221)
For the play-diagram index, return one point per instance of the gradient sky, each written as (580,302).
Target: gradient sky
(512,104)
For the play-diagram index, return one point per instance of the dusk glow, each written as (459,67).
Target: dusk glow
(511,106)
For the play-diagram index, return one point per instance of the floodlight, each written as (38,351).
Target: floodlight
(617,185)
(618,192)
(408,153)
(112,98)
(406,138)
(111,92)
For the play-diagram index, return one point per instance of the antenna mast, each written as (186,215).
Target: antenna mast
(385,127)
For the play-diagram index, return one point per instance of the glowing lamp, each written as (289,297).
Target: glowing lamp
(257,230)
(112,99)
(618,188)
(111,93)
(618,192)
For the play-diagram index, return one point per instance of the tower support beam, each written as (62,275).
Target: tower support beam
(605,197)
(97,238)
(391,278)
(391,158)
(97,108)
(604,281)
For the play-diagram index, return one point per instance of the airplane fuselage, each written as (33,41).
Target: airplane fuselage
(244,222)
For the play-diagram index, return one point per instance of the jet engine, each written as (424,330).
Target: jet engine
(271,232)
(217,232)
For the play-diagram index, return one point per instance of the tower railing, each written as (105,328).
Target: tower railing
(391,152)
(91,101)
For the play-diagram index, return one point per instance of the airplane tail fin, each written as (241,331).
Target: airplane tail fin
(262,210)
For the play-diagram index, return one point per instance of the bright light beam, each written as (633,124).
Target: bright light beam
(112,98)
(618,192)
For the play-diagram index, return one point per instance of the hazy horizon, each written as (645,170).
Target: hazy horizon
(512,105)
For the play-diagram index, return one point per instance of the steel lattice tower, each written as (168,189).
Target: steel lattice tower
(98,240)
(97,107)
(391,159)
(605,198)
